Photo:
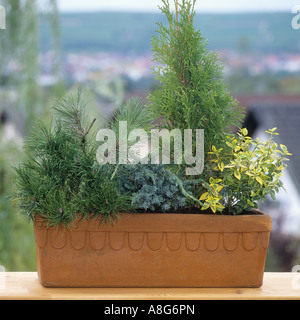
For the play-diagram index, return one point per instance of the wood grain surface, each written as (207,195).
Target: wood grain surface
(26,286)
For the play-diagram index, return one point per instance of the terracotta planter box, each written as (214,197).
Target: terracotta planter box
(155,250)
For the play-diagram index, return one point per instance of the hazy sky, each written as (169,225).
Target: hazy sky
(202,5)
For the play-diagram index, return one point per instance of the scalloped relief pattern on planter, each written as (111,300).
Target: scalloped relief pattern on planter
(137,241)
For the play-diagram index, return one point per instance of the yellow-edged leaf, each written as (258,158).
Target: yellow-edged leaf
(244,131)
(237,174)
(221,166)
(283,147)
(219,188)
(204,196)
(259,180)
(220,207)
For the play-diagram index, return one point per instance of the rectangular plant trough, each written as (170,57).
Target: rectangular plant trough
(155,250)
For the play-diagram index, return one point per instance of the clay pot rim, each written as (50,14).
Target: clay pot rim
(161,222)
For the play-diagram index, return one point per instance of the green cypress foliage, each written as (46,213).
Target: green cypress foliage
(192,94)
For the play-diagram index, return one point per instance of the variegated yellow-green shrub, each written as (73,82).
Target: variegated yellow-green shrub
(244,174)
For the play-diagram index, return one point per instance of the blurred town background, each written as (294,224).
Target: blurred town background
(45,53)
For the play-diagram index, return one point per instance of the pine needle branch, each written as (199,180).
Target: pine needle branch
(88,131)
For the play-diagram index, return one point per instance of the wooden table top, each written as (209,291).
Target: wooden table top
(26,286)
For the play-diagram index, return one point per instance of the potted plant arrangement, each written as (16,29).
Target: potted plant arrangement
(139,224)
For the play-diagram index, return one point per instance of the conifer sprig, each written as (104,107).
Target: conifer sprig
(192,94)
(60,180)
(71,113)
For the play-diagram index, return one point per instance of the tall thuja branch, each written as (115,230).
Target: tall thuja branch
(192,94)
